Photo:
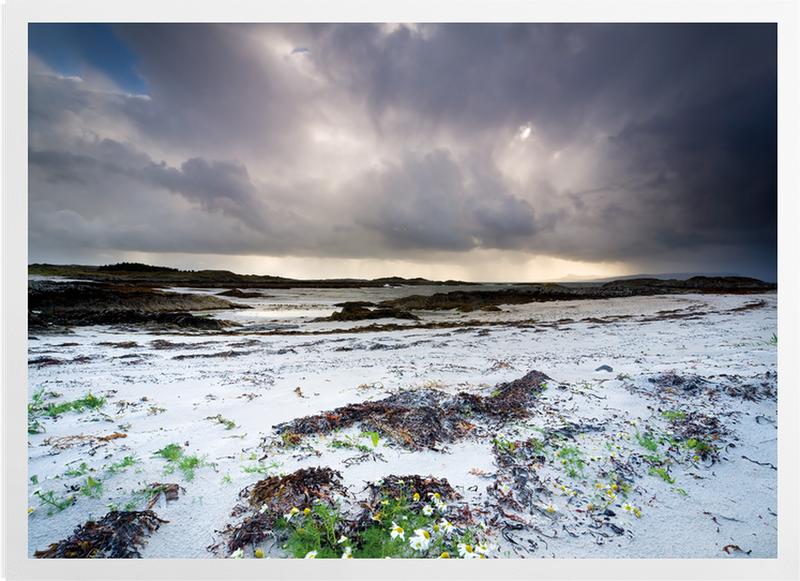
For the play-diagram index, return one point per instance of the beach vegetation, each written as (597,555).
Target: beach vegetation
(698,445)
(79,405)
(229,424)
(81,470)
(122,465)
(175,457)
(349,442)
(375,436)
(92,488)
(674,415)
(647,441)
(404,527)
(262,468)
(37,408)
(49,498)
(504,446)
(661,472)
(572,460)
(171,452)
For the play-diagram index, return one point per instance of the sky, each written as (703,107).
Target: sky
(483,152)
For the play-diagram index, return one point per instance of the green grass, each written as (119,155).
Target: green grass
(175,457)
(261,468)
(169,452)
(37,408)
(122,465)
(647,441)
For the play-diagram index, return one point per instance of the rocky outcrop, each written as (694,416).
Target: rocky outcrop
(360,311)
(87,303)
(236,293)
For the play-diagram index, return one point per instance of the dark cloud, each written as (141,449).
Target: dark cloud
(431,203)
(644,143)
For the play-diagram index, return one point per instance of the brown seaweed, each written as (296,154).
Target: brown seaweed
(425,417)
(116,536)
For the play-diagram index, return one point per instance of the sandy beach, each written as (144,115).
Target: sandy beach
(655,424)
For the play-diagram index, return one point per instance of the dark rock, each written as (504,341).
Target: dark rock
(236,293)
(604,368)
(358,311)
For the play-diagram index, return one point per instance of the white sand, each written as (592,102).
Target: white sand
(709,506)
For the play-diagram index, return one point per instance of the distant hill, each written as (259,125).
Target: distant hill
(165,276)
(661,276)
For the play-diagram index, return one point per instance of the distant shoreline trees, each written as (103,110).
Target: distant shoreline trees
(134,267)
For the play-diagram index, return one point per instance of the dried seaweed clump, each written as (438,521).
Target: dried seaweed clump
(697,425)
(732,386)
(425,417)
(673,383)
(273,497)
(299,489)
(115,536)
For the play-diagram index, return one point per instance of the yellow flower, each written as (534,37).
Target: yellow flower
(306,511)
(696,457)
(627,507)
(259,554)
(590,507)
(416,496)
(615,487)
(444,555)
(311,555)
(550,509)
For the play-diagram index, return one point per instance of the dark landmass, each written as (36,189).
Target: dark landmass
(63,304)
(164,276)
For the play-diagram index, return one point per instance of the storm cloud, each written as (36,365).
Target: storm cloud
(651,145)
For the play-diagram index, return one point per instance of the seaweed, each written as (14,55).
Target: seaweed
(116,536)
(273,497)
(425,417)
(299,489)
